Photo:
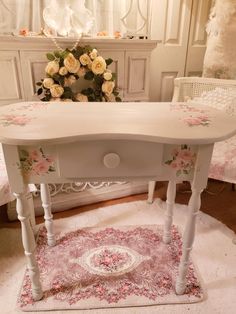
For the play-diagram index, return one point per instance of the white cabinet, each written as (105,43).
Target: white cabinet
(11,88)
(23,62)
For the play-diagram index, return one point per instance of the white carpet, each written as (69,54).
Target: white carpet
(214,254)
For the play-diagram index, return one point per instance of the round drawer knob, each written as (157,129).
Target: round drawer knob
(111,160)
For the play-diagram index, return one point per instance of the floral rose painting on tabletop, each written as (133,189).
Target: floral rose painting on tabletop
(66,67)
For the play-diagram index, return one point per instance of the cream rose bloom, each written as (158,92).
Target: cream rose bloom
(89,65)
(71,63)
(52,68)
(107,76)
(69,80)
(80,97)
(93,54)
(48,82)
(56,90)
(99,65)
(107,87)
(81,72)
(63,71)
(111,98)
(84,59)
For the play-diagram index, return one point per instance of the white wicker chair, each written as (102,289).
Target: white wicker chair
(220,94)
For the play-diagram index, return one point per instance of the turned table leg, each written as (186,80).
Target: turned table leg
(188,238)
(170,201)
(151,189)
(46,203)
(23,211)
(32,213)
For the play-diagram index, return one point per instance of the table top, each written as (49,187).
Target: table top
(31,123)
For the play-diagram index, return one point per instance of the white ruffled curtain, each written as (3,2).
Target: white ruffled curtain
(17,14)
(220,56)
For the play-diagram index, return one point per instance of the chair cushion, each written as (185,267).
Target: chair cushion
(219,98)
(223,162)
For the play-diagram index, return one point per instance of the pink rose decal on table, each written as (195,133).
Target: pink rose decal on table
(197,120)
(11,119)
(30,107)
(35,162)
(183,160)
(186,108)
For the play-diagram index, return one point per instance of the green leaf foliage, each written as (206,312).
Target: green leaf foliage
(89,76)
(50,56)
(57,54)
(39,91)
(67,93)
(109,61)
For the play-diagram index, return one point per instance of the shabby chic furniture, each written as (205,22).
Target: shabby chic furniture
(23,61)
(109,141)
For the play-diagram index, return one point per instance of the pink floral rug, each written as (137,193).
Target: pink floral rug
(109,267)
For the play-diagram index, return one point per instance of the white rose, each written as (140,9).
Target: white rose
(80,97)
(71,63)
(56,90)
(48,82)
(69,80)
(99,65)
(111,98)
(107,87)
(89,65)
(63,71)
(52,67)
(84,59)
(81,72)
(93,54)
(107,76)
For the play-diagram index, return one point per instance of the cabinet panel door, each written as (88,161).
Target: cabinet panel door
(10,79)
(137,76)
(33,65)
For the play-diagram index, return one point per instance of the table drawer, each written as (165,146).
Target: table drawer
(109,159)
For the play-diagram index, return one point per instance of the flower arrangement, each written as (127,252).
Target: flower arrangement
(67,66)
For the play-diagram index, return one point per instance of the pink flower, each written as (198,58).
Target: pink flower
(199,120)
(186,155)
(24,31)
(50,159)
(35,155)
(41,167)
(174,165)
(16,120)
(193,121)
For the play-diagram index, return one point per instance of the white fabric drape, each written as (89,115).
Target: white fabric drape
(220,56)
(17,14)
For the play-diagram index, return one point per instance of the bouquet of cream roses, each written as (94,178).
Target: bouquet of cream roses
(66,67)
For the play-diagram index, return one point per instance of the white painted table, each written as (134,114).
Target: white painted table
(64,142)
